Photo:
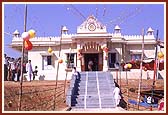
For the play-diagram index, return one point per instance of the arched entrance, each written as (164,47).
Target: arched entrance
(92,51)
(94,57)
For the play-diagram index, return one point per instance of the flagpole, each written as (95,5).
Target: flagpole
(155,66)
(22,60)
(56,81)
(141,65)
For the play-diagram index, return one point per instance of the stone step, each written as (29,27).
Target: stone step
(93,106)
(91,84)
(106,87)
(108,106)
(102,93)
(79,106)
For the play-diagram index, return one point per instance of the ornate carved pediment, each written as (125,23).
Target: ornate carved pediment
(91,25)
(91,47)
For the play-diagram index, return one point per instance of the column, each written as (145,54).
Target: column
(75,58)
(78,67)
(105,64)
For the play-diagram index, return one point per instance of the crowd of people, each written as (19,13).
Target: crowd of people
(12,69)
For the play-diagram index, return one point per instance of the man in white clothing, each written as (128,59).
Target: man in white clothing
(117,96)
(29,70)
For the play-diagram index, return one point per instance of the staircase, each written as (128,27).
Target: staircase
(91,90)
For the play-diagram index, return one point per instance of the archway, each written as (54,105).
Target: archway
(92,51)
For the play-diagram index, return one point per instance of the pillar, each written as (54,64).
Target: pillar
(78,67)
(75,58)
(105,60)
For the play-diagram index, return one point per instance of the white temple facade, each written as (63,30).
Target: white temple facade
(91,42)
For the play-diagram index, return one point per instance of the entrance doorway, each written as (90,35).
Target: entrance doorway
(93,57)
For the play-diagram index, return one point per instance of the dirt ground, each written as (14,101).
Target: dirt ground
(40,96)
(36,96)
(130,92)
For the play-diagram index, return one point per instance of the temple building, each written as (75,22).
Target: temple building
(91,42)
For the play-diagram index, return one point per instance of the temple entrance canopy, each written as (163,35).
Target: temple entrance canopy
(92,52)
(91,36)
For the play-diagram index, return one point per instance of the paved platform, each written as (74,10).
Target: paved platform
(111,110)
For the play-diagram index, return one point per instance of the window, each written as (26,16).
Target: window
(70,60)
(111,60)
(135,56)
(47,62)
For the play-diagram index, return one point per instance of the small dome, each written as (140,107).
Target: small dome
(64,28)
(16,32)
(150,29)
(117,27)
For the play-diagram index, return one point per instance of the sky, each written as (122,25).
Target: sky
(47,19)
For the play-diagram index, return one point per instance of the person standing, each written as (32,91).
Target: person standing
(35,73)
(74,72)
(9,70)
(18,69)
(6,63)
(29,70)
(13,69)
(117,97)
(90,65)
